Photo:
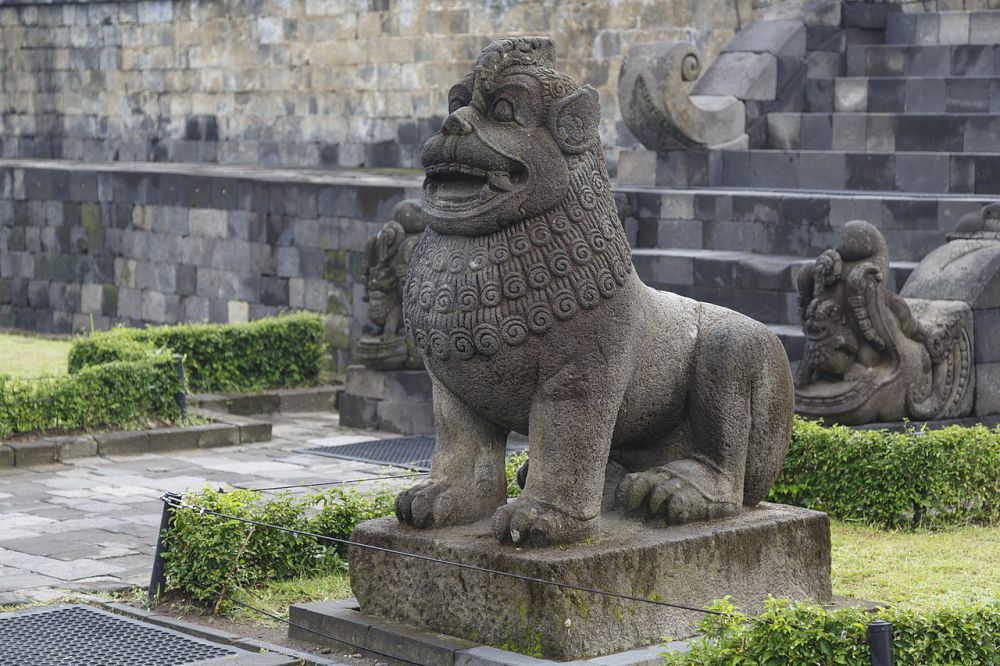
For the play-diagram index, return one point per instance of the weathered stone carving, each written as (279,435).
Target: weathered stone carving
(967,269)
(654,93)
(870,354)
(983,224)
(383,345)
(524,304)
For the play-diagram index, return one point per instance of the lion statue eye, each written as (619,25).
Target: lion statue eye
(503,111)
(455,103)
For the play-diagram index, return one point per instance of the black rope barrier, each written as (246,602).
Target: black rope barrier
(331,483)
(175,502)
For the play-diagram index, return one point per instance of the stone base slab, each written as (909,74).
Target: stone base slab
(342,626)
(387,400)
(771,550)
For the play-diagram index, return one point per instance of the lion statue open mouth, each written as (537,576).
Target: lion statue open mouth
(524,304)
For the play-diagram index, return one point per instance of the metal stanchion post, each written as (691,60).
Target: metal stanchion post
(880,641)
(157,580)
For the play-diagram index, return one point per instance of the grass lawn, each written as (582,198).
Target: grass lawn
(276,597)
(25,356)
(915,568)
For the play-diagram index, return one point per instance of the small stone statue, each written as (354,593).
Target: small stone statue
(386,262)
(868,356)
(523,301)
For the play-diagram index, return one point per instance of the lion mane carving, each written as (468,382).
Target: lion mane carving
(524,303)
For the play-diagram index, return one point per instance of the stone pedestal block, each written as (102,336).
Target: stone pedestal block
(387,400)
(967,269)
(771,550)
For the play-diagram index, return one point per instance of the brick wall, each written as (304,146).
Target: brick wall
(296,82)
(144,245)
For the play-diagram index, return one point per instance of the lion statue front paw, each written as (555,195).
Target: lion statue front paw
(535,522)
(435,504)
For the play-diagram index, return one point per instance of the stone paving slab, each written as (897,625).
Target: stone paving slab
(89,524)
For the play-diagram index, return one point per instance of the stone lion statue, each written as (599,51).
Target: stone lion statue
(524,303)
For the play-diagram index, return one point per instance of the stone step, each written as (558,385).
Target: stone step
(787,222)
(934,60)
(792,338)
(850,167)
(914,94)
(758,285)
(953,27)
(886,132)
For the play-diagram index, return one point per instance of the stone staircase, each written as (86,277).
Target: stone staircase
(900,127)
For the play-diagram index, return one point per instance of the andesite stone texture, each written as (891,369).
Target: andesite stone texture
(387,400)
(871,355)
(172,244)
(770,550)
(250,82)
(523,301)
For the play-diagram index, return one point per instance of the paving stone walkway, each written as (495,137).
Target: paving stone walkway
(89,525)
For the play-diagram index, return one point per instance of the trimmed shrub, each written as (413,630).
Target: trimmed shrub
(125,393)
(966,632)
(207,555)
(277,351)
(115,345)
(916,478)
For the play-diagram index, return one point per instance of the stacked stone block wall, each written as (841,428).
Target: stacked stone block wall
(299,82)
(82,247)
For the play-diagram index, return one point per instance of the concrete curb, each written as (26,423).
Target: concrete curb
(214,635)
(309,399)
(230,413)
(225,430)
(324,622)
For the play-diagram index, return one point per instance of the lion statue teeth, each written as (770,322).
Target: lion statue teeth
(524,304)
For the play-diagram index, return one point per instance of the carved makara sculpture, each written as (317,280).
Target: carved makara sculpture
(655,89)
(871,355)
(383,344)
(525,306)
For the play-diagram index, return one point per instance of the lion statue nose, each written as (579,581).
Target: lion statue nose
(458,122)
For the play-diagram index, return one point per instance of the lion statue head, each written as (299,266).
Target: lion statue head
(504,152)
(523,230)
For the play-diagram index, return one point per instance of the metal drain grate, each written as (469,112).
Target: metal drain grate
(75,635)
(407,452)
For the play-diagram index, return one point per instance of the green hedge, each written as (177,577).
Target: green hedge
(123,393)
(273,352)
(206,556)
(100,348)
(916,478)
(966,632)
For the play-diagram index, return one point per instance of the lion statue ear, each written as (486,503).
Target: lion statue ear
(574,120)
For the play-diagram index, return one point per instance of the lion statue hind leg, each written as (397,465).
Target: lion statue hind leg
(741,401)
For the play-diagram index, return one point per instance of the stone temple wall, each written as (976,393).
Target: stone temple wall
(298,82)
(84,246)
